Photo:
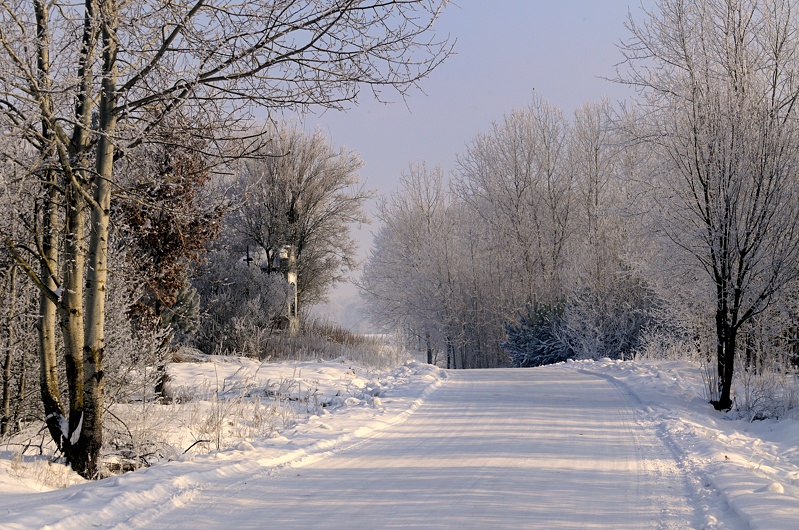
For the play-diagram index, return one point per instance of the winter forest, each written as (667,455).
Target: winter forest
(158,201)
(662,226)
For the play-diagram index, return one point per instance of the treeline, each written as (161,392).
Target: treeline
(668,223)
(527,255)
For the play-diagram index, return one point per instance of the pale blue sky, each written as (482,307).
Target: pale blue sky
(505,50)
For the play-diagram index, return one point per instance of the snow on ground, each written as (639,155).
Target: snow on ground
(230,416)
(751,466)
(236,420)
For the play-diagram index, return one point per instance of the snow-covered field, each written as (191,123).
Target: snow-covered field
(329,444)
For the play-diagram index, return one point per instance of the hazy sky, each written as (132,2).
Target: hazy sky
(506,50)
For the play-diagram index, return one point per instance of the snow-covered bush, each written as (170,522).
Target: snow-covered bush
(763,394)
(239,304)
(591,323)
(766,384)
(608,321)
(661,344)
(671,335)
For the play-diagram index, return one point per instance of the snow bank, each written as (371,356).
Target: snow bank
(753,467)
(349,402)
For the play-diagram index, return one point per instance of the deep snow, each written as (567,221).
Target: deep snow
(601,444)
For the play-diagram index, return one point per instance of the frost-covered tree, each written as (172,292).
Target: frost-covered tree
(719,82)
(430,273)
(514,188)
(529,257)
(596,150)
(402,280)
(515,179)
(607,304)
(82,84)
(301,191)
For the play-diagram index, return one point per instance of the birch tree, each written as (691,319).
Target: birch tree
(719,82)
(84,83)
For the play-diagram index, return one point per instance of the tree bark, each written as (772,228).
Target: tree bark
(46,322)
(87,435)
(725,358)
(71,316)
(11,307)
(429,347)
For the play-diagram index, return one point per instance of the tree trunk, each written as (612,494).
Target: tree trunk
(10,307)
(429,349)
(725,400)
(6,419)
(726,337)
(71,316)
(46,322)
(21,389)
(89,443)
(48,378)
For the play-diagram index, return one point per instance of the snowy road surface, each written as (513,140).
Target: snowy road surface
(490,449)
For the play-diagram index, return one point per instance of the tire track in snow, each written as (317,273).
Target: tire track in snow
(711,509)
(538,448)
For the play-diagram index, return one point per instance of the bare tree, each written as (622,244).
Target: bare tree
(430,275)
(515,179)
(720,83)
(84,83)
(403,280)
(606,302)
(534,239)
(304,193)
(594,154)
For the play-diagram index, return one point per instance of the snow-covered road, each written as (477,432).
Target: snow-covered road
(551,448)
